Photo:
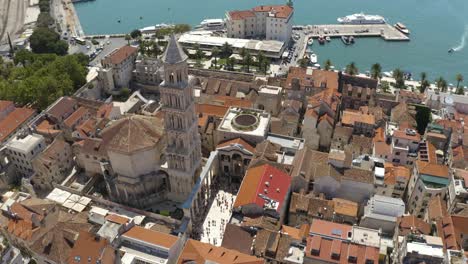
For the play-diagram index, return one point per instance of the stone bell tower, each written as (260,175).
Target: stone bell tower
(183,152)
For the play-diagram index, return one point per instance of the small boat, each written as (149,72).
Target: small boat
(402,28)
(451,50)
(310,41)
(351,39)
(321,40)
(327,38)
(313,58)
(345,40)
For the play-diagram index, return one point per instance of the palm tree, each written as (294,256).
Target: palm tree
(128,38)
(376,71)
(226,50)
(215,54)
(351,69)
(441,84)
(459,79)
(247,61)
(328,65)
(399,78)
(155,50)
(262,62)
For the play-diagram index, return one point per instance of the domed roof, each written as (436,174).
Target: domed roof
(133,133)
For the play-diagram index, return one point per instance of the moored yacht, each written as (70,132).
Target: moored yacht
(402,28)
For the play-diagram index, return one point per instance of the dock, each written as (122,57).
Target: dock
(385,31)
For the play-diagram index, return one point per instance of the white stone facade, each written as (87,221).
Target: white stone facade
(263,22)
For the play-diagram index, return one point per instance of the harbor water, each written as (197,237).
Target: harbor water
(435,25)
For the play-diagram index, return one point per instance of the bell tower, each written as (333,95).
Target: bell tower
(183,151)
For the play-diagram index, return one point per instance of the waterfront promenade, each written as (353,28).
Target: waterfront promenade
(385,31)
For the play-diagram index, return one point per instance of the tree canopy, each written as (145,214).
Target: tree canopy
(39,79)
(45,40)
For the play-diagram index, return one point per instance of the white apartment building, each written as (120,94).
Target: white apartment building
(419,249)
(22,149)
(381,212)
(269,22)
(427,180)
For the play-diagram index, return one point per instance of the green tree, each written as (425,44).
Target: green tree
(263,63)
(424,82)
(459,79)
(376,71)
(128,38)
(385,86)
(155,49)
(39,79)
(441,84)
(423,118)
(352,69)
(136,33)
(215,53)
(247,61)
(399,78)
(226,50)
(303,63)
(328,65)
(45,40)
(181,28)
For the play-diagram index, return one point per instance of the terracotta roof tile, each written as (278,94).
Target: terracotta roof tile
(237,141)
(117,219)
(62,107)
(118,56)
(77,115)
(432,169)
(258,179)
(243,14)
(151,237)
(13,121)
(410,223)
(199,252)
(280,11)
(211,110)
(350,117)
(89,249)
(5,105)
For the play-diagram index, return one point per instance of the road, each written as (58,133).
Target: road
(12,14)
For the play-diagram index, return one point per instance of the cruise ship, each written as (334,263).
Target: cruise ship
(361,18)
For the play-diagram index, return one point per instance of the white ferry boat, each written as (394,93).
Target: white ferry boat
(402,28)
(213,24)
(361,19)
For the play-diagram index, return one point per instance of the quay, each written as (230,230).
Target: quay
(385,31)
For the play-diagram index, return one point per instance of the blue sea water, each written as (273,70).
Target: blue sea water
(435,25)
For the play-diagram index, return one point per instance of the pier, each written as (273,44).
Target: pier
(385,31)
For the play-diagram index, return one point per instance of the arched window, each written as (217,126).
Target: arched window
(171,78)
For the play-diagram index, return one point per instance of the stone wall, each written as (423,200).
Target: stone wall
(237,76)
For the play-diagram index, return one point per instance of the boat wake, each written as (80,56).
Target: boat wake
(462,41)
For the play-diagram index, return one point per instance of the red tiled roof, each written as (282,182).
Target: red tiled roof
(14,120)
(211,110)
(151,237)
(117,219)
(63,106)
(261,178)
(5,105)
(281,11)
(120,55)
(239,141)
(238,15)
(330,229)
(73,118)
(89,249)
